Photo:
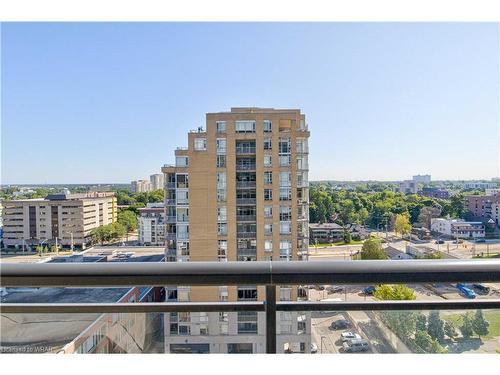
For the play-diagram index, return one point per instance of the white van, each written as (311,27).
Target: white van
(355,345)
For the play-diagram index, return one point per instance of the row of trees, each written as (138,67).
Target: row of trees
(128,198)
(374,208)
(126,222)
(426,333)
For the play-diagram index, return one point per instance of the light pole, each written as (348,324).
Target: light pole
(321,350)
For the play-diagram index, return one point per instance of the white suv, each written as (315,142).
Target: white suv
(349,336)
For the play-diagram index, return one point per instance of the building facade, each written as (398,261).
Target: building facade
(458,228)
(140,186)
(480,185)
(151,225)
(480,206)
(422,179)
(69,218)
(156,181)
(435,193)
(408,187)
(238,192)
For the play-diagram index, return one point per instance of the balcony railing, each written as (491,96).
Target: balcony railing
(245,167)
(245,184)
(246,218)
(240,150)
(270,274)
(246,234)
(246,201)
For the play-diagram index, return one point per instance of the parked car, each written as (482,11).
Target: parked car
(466,292)
(458,241)
(356,345)
(349,336)
(334,289)
(314,348)
(319,287)
(369,290)
(340,324)
(440,242)
(481,289)
(480,240)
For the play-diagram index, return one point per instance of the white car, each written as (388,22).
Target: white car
(349,336)
(314,348)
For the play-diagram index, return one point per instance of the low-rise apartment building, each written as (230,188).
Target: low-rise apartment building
(480,185)
(151,224)
(65,218)
(408,187)
(480,206)
(458,228)
(432,192)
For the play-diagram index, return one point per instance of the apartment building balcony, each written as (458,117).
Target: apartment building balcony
(171,236)
(245,184)
(245,167)
(246,201)
(170,202)
(246,234)
(241,150)
(246,218)
(170,219)
(170,185)
(268,274)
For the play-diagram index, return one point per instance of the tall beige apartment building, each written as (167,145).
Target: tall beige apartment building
(238,192)
(68,217)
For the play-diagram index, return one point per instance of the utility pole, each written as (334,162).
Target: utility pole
(57,248)
(71,234)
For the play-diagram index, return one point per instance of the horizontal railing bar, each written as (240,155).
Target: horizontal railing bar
(149,307)
(390,305)
(241,273)
(142,307)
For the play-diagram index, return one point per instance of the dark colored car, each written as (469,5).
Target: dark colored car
(369,290)
(480,240)
(340,324)
(439,242)
(481,289)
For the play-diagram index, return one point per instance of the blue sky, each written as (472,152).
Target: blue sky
(89,102)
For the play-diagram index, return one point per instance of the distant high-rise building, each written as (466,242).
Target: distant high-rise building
(239,192)
(140,186)
(156,181)
(422,179)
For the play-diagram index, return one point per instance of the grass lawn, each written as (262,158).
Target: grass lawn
(492,255)
(493,317)
(353,242)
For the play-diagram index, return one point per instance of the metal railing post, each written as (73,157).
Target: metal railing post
(270,319)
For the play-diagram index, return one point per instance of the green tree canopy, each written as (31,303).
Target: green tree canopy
(128,219)
(479,324)
(467,328)
(435,326)
(394,292)
(372,249)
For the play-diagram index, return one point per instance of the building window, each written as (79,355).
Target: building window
(247,293)
(222,250)
(268,162)
(268,126)
(285,250)
(285,194)
(221,180)
(221,195)
(268,178)
(181,161)
(221,213)
(200,144)
(285,160)
(285,227)
(221,146)
(268,194)
(268,211)
(239,348)
(247,322)
(245,126)
(222,229)
(285,213)
(286,295)
(284,146)
(268,245)
(268,228)
(268,144)
(285,179)
(221,126)
(221,161)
